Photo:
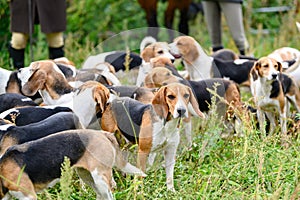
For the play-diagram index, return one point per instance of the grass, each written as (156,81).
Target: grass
(251,167)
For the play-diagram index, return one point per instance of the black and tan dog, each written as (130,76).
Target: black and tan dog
(273,91)
(11,134)
(30,114)
(30,167)
(152,126)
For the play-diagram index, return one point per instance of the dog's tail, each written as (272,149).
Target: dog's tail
(120,161)
(146,42)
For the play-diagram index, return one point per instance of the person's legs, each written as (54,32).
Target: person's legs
(16,49)
(56,45)
(234,18)
(212,15)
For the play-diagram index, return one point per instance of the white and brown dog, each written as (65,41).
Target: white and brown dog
(201,66)
(150,48)
(273,91)
(45,77)
(152,126)
(30,167)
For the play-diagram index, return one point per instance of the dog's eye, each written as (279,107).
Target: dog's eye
(172,97)
(160,52)
(186,96)
(179,43)
(265,66)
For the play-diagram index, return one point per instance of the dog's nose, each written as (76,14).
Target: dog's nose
(274,76)
(172,60)
(181,111)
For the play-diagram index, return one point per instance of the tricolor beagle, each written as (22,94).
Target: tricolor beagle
(273,91)
(142,94)
(116,58)
(201,66)
(11,134)
(229,90)
(288,54)
(150,48)
(30,167)
(152,127)
(50,82)
(12,100)
(30,114)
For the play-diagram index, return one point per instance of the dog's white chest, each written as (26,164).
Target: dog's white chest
(164,135)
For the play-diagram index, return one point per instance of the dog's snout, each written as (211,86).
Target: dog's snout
(181,111)
(274,76)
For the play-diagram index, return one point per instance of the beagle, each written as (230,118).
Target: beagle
(149,49)
(273,91)
(229,90)
(152,126)
(4,76)
(30,114)
(32,166)
(115,58)
(201,66)
(11,134)
(45,77)
(12,100)
(142,94)
(286,54)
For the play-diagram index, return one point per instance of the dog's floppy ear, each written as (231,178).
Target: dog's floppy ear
(254,71)
(195,104)
(148,81)
(147,53)
(159,103)
(35,82)
(101,96)
(279,67)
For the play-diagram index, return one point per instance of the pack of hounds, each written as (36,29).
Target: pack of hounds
(51,110)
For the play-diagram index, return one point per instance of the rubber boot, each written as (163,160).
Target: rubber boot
(56,52)
(217,48)
(17,56)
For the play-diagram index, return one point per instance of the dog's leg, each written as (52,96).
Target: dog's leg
(261,119)
(187,127)
(272,118)
(170,156)
(102,183)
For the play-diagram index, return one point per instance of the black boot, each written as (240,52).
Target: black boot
(217,48)
(17,56)
(56,52)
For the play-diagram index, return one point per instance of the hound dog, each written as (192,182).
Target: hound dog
(4,76)
(152,126)
(30,114)
(273,91)
(12,100)
(115,58)
(231,106)
(11,134)
(150,48)
(142,94)
(201,66)
(32,166)
(50,82)
(286,54)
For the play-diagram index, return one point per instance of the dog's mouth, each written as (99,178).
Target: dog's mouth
(176,56)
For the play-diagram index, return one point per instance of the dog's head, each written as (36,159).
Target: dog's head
(267,68)
(89,100)
(44,75)
(174,99)
(159,76)
(156,49)
(185,47)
